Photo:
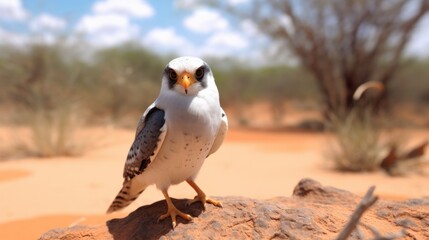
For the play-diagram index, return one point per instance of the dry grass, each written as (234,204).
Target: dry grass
(358,145)
(365,142)
(53,132)
(43,133)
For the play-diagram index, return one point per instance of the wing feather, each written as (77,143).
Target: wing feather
(141,122)
(150,134)
(220,134)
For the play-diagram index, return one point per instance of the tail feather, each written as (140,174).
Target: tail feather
(124,197)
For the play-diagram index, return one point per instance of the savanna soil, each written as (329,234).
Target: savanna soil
(41,194)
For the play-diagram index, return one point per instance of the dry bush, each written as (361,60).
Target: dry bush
(123,81)
(53,132)
(241,86)
(358,144)
(365,142)
(52,116)
(50,86)
(43,94)
(50,133)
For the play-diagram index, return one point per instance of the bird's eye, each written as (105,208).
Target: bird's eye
(172,75)
(199,74)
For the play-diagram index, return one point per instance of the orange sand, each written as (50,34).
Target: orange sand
(40,194)
(11,174)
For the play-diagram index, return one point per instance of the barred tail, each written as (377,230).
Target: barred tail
(124,197)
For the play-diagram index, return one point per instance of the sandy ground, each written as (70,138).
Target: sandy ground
(41,194)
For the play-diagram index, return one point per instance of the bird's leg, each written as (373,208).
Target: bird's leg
(172,211)
(201,196)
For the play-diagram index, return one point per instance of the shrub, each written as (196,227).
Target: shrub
(43,94)
(358,143)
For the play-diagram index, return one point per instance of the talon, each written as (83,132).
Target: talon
(204,200)
(214,202)
(173,212)
(201,197)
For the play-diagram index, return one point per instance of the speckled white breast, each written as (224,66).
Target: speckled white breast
(191,129)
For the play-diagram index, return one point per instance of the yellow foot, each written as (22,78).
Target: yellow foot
(203,199)
(173,212)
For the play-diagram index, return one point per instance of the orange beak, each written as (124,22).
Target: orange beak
(186,79)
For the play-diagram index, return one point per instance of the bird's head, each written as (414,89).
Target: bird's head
(187,76)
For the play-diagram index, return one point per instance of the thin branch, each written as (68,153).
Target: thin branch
(379,236)
(367,201)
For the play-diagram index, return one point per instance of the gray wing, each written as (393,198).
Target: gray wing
(150,134)
(141,122)
(220,134)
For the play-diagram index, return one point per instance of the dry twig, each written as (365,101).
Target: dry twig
(367,201)
(378,236)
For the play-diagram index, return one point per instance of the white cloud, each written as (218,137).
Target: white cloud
(187,4)
(113,39)
(237,2)
(101,23)
(219,44)
(224,43)
(48,22)
(132,8)
(12,38)
(228,39)
(110,23)
(45,37)
(249,28)
(107,29)
(205,21)
(166,40)
(286,22)
(12,10)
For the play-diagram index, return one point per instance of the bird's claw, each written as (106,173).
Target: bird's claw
(173,213)
(203,199)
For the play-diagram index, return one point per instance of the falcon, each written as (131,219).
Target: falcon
(174,136)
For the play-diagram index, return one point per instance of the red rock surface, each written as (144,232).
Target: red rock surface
(313,212)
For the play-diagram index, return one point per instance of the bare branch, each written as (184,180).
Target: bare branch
(367,201)
(393,236)
(342,43)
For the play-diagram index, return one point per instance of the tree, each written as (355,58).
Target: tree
(344,44)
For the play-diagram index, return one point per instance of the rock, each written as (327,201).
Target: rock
(313,212)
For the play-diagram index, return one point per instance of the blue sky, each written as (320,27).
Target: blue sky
(163,26)
(179,26)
